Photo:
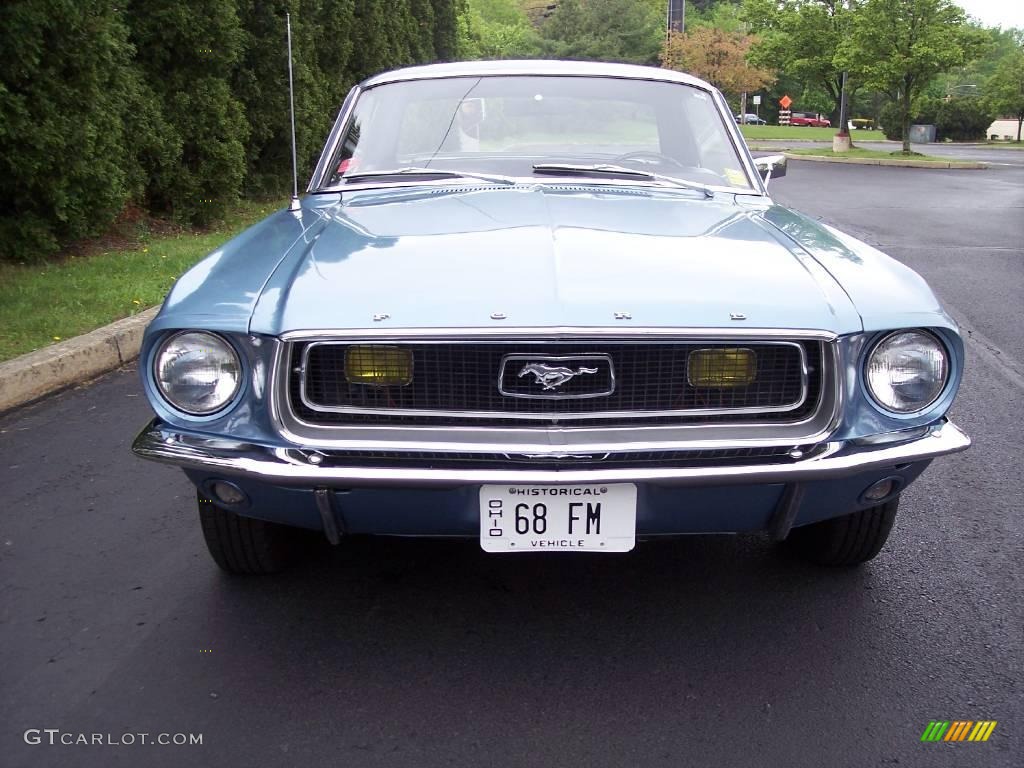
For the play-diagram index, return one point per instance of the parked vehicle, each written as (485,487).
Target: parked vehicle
(752,119)
(549,306)
(809,119)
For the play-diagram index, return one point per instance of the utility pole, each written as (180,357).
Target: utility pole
(843,117)
(676,16)
(841,141)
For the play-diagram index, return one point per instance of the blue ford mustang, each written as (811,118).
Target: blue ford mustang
(550,306)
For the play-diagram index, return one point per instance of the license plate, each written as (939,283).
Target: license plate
(568,518)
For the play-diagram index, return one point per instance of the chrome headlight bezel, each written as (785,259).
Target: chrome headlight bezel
(226,361)
(886,397)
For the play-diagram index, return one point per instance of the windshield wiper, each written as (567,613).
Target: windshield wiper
(350,178)
(608,169)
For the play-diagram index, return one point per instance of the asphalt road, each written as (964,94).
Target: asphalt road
(708,651)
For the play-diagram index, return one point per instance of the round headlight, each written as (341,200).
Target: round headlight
(198,372)
(907,371)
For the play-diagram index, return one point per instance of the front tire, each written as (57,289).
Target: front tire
(847,540)
(243,545)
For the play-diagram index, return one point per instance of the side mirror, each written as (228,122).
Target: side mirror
(771,167)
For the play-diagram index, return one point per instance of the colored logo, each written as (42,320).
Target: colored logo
(958,730)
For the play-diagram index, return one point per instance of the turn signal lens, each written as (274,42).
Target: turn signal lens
(721,368)
(378,366)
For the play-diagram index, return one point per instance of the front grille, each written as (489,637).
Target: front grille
(461,384)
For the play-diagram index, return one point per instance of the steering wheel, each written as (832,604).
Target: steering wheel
(689,171)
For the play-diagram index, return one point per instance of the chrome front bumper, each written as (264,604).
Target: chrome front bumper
(303,468)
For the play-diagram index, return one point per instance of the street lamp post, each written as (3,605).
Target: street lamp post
(950,89)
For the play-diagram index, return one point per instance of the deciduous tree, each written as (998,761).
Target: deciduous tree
(498,29)
(800,38)
(900,46)
(1004,91)
(718,56)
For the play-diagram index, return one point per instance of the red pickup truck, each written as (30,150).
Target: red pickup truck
(806,118)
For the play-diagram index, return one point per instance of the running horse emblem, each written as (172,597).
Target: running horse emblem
(552,377)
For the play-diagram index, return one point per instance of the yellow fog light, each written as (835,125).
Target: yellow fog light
(721,367)
(378,366)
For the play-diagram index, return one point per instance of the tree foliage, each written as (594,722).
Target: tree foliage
(604,30)
(962,119)
(187,52)
(178,105)
(954,118)
(498,29)
(1004,91)
(900,46)
(718,56)
(800,38)
(66,165)
(973,75)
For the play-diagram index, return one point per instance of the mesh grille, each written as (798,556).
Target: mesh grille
(663,459)
(649,379)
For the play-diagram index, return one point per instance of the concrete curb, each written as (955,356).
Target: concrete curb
(943,164)
(61,365)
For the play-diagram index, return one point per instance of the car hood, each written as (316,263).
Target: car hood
(544,255)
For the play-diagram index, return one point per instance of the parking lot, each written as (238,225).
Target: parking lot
(701,651)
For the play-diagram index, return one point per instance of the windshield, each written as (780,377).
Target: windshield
(507,125)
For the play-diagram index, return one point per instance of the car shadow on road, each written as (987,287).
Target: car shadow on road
(421,607)
(384,648)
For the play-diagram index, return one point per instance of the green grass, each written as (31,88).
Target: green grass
(869,153)
(798,133)
(44,303)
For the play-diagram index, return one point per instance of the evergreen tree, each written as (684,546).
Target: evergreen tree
(188,50)
(604,30)
(179,104)
(446,28)
(66,84)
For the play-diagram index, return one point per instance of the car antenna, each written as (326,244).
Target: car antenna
(294,204)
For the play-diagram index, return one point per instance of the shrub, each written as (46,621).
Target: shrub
(889,117)
(963,119)
(65,86)
(179,104)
